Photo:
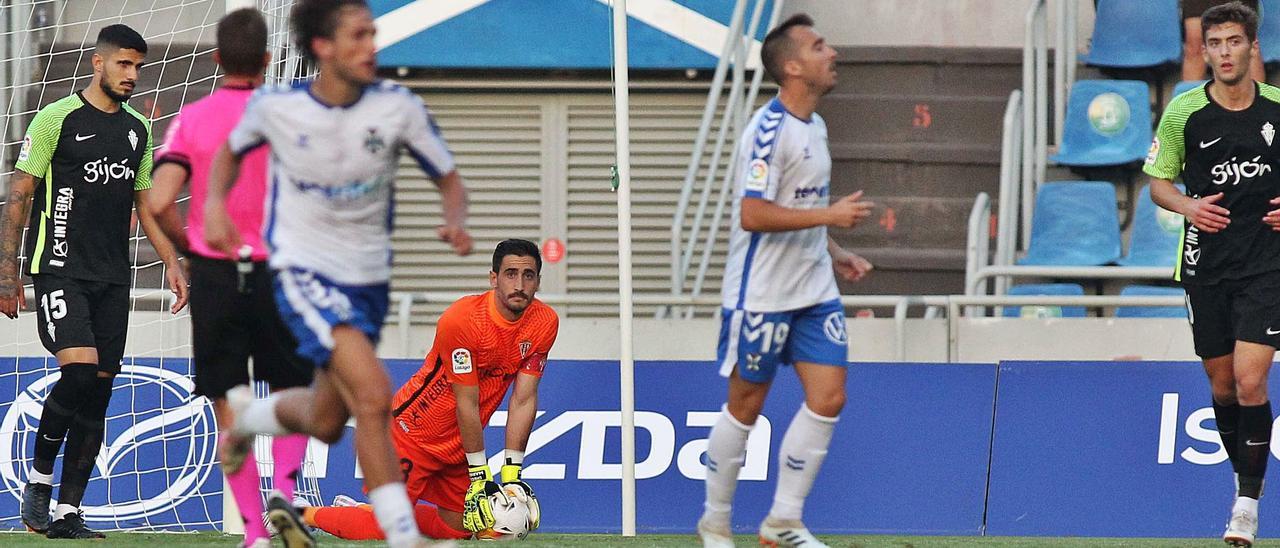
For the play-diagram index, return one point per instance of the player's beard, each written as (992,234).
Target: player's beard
(113,94)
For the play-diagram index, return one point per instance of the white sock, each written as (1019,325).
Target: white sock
(395,514)
(1246,503)
(260,418)
(36,477)
(726,452)
(799,459)
(63,510)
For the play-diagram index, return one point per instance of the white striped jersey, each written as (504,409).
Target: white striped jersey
(785,160)
(330,203)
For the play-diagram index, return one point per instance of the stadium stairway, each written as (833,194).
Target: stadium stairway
(918,129)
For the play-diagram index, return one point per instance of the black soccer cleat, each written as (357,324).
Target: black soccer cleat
(35,506)
(72,526)
(284,517)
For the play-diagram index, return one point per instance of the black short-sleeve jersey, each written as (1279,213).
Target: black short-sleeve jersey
(91,162)
(1235,153)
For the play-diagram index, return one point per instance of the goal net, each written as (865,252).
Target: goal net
(158,468)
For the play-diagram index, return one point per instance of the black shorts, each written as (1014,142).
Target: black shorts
(73,313)
(1193,9)
(1247,309)
(228,326)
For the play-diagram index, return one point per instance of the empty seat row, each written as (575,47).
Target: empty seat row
(1075,223)
(1133,34)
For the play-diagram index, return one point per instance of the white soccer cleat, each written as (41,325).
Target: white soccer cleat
(776,533)
(714,535)
(1243,527)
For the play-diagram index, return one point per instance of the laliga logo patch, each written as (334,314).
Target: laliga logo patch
(461,361)
(26,149)
(1153,152)
(170,437)
(757,175)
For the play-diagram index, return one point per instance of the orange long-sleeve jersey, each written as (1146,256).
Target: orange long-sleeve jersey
(474,345)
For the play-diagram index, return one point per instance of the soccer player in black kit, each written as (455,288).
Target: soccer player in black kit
(1221,138)
(85,162)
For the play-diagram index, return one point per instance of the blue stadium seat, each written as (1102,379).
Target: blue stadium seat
(1154,239)
(1269,31)
(1045,311)
(1187,85)
(1108,123)
(1074,224)
(1136,34)
(1151,311)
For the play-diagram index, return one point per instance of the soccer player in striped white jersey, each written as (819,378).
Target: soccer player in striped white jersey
(335,144)
(781,303)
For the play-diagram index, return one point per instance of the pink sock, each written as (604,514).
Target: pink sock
(244,487)
(288,452)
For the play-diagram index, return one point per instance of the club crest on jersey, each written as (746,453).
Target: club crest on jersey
(525,347)
(461,361)
(1268,132)
(133,139)
(374,142)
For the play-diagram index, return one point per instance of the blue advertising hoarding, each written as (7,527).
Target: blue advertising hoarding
(1112,449)
(887,443)
(559,34)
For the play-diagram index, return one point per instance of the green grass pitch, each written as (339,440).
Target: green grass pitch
(554,540)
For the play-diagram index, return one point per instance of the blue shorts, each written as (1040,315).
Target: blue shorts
(761,341)
(312,305)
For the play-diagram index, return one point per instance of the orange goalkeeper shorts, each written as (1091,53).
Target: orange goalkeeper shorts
(428,479)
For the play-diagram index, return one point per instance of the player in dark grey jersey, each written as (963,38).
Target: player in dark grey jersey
(86,161)
(1221,138)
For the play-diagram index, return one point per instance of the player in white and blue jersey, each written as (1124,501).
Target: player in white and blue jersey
(335,144)
(781,303)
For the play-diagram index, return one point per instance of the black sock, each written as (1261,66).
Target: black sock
(1255,447)
(84,441)
(1228,419)
(65,399)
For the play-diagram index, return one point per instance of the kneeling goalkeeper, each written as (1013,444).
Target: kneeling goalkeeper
(483,345)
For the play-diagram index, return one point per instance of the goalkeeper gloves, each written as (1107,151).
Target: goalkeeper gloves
(510,475)
(477,513)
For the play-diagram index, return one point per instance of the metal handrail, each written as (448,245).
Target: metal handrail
(1007,209)
(1064,64)
(679,268)
(1035,67)
(978,244)
(739,125)
(900,303)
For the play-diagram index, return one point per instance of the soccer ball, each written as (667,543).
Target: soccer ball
(510,514)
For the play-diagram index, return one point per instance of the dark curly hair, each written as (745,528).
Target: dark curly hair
(1231,12)
(313,19)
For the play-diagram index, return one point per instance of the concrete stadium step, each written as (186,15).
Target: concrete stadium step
(979,72)
(875,119)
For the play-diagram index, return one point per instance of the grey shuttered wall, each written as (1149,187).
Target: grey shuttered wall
(537,166)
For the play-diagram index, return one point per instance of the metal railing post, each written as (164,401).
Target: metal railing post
(699,145)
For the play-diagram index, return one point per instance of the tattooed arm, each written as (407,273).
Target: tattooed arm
(13,218)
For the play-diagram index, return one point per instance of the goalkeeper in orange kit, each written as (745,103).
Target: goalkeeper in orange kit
(484,344)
